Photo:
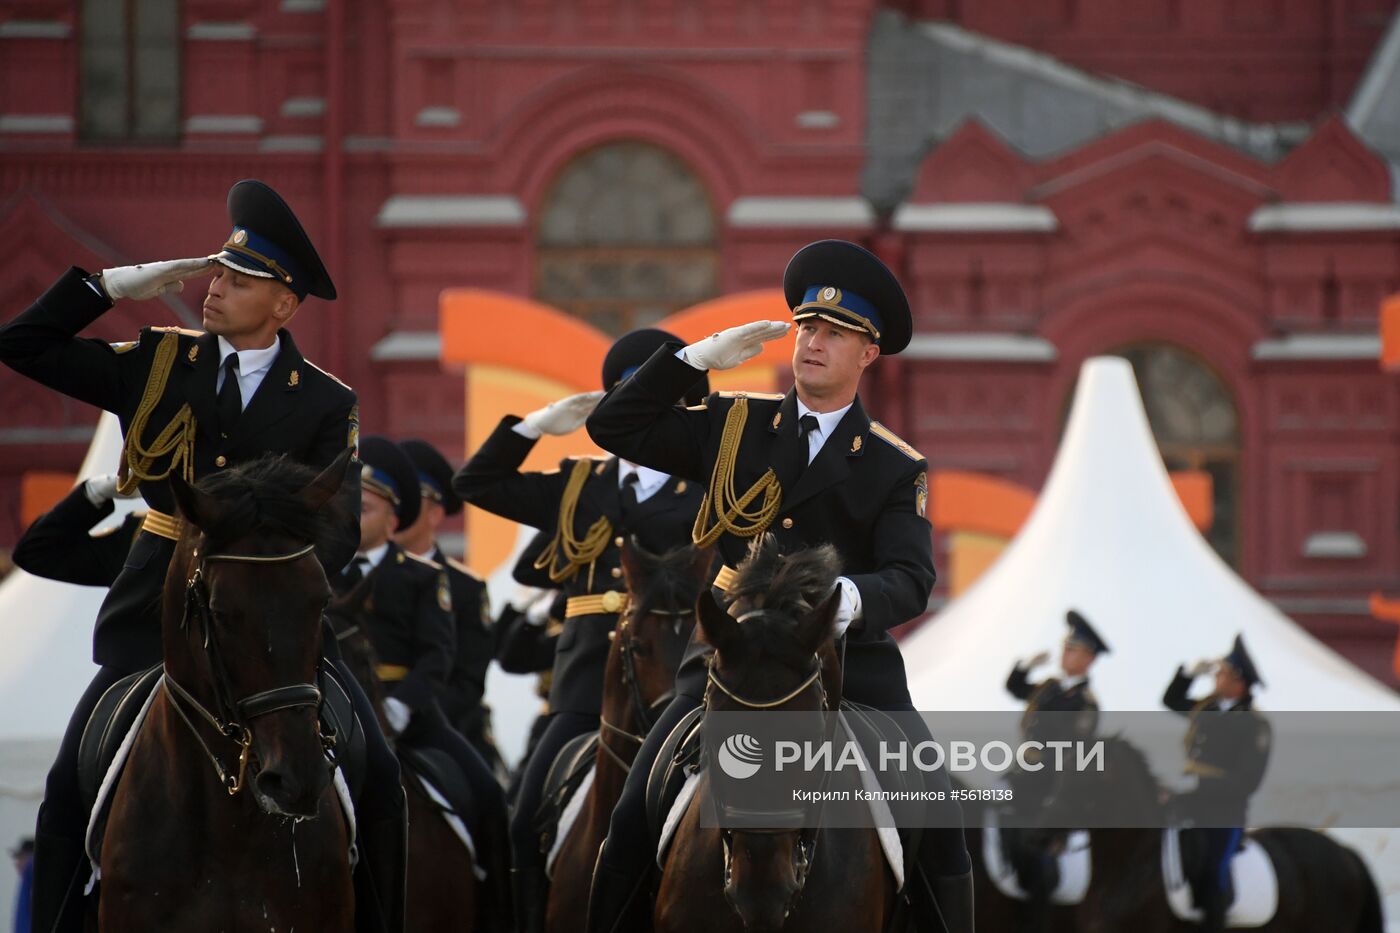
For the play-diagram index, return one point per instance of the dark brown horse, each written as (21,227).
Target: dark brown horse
(442,892)
(642,660)
(774,650)
(1322,885)
(225,817)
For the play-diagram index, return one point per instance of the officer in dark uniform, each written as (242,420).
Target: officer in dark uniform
(408,615)
(461,699)
(59,545)
(1227,750)
(591,505)
(1073,716)
(811,468)
(193,403)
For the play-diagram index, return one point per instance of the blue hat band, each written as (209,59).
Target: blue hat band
(431,489)
(840,307)
(379,481)
(259,256)
(626,373)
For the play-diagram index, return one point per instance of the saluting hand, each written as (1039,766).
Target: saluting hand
(1038,660)
(1200,667)
(733,346)
(151,279)
(564,416)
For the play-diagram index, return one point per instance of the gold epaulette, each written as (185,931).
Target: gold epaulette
(894,440)
(769,396)
(183,331)
(125,346)
(460,567)
(329,375)
(423,560)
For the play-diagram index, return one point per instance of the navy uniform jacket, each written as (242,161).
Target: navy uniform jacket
(298,410)
(1227,750)
(521,646)
(408,614)
(1051,696)
(58,546)
(492,480)
(476,637)
(864,493)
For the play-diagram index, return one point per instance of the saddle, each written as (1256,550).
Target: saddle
(566,775)
(1253,879)
(120,709)
(435,767)
(679,756)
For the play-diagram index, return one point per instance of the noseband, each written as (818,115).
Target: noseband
(806,847)
(236,712)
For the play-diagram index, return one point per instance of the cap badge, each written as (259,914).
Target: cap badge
(829,293)
(239,237)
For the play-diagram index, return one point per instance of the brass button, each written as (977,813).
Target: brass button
(617,572)
(220,460)
(787,523)
(617,542)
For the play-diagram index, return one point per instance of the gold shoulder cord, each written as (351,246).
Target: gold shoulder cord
(566,554)
(730,514)
(175,441)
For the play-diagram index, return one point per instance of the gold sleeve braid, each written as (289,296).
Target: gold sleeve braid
(176,440)
(730,514)
(566,553)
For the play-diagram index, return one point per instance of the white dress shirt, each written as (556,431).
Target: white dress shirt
(649,481)
(252,367)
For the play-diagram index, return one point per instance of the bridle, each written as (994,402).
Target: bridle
(236,714)
(629,647)
(806,847)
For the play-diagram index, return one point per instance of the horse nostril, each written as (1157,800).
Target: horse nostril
(276,785)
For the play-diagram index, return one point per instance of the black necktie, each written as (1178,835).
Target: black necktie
(230,396)
(795,461)
(356,571)
(629,493)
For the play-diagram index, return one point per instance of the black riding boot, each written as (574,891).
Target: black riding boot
(531,898)
(60,872)
(615,904)
(497,913)
(953,894)
(381,879)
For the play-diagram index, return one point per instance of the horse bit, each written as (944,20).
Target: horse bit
(250,707)
(806,838)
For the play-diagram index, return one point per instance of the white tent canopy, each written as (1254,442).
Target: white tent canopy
(1109,538)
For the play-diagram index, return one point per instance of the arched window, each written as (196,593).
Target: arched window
(1196,425)
(626,236)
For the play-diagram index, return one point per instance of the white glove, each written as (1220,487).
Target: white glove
(562,417)
(849,609)
(153,278)
(733,346)
(1038,660)
(398,714)
(101,489)
(1199,668)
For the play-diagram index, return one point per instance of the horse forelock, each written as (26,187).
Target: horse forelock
(670,583)
(263,499)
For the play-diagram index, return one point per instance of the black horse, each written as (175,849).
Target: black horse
(1322,885)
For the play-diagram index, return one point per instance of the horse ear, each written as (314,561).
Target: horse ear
(328,482)
(703,560)
(198,508)
(717,627)
(817,627)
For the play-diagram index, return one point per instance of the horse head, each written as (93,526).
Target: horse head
(774,650)
(1123,794)
(242,625)
(655,627)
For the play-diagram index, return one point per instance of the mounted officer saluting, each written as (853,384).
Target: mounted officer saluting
(191,404)
(591,505)
(811,468)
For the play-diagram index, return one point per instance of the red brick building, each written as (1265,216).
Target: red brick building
(1229,222)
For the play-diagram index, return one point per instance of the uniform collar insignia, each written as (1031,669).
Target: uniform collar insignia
(294,379)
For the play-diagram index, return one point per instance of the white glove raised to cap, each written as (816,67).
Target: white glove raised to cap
(733,346)
(1038,660)
(398,714)
(562,417)
(103,488)
(1200,667)
(151,279)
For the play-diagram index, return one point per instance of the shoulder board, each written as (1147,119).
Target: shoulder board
(894,440)
(701,407)
(125,346)
(330,376)
(422,560)
(461,568)
(767,396)
(182,331)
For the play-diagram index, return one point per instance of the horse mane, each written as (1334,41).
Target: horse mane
(263,497)
(670,580)
(789,586)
